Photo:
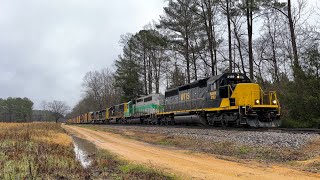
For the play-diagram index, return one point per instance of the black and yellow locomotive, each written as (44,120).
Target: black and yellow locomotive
(230,99)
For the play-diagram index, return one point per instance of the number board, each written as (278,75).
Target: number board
(185,96)
(213,94)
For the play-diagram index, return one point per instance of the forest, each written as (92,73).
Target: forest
(275,43)
(16,109)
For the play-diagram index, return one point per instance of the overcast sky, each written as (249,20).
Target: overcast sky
(47,46)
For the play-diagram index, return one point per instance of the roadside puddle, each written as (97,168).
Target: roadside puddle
(84,151)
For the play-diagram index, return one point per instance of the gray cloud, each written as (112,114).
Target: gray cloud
(46,46)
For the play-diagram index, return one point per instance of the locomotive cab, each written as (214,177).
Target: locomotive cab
(222,86)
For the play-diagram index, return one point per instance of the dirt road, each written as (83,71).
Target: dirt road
(182,163)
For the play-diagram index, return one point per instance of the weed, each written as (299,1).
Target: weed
(243,150)
(165,142)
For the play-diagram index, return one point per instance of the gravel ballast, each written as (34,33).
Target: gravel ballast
(241,137)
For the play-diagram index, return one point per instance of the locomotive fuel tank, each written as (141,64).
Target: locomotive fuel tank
(189,119)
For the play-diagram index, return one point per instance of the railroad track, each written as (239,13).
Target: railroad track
(300,130)
(279,130)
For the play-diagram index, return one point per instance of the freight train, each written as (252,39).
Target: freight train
(229,99)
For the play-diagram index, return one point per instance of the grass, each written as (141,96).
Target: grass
(165,142)
(45,151)
(244,150)
(133,171)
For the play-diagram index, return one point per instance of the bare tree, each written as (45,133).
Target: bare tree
(228,11)
(93,85)
(99,86)
(296,64)
(207,13)
(292,14)
(58,108)
(239,42)
(107,91)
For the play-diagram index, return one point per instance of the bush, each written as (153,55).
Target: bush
(300,101)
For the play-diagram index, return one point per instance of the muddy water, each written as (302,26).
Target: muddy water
(84,151)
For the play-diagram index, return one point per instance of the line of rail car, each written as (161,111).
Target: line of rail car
(229,99)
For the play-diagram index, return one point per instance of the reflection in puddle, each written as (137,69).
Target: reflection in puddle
(84,150)
(82,157)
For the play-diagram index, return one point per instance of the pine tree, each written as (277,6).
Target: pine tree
(127,76)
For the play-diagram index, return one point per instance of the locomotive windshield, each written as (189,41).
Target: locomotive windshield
(233,79)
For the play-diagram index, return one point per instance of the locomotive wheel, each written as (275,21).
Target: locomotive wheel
(162,123)
(165,121)
(223,121)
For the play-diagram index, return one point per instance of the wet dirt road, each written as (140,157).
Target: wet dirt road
(183,163)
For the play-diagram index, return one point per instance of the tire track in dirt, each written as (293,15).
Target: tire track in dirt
(182,163)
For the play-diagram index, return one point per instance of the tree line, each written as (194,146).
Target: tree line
(21,110)
(273,42)
(15,110)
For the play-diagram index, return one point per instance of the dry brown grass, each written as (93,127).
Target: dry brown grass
(37,151)
(313,148)
(312,163)
(54,138)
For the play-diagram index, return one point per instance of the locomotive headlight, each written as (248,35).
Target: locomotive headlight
(274,102)
(257,101)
